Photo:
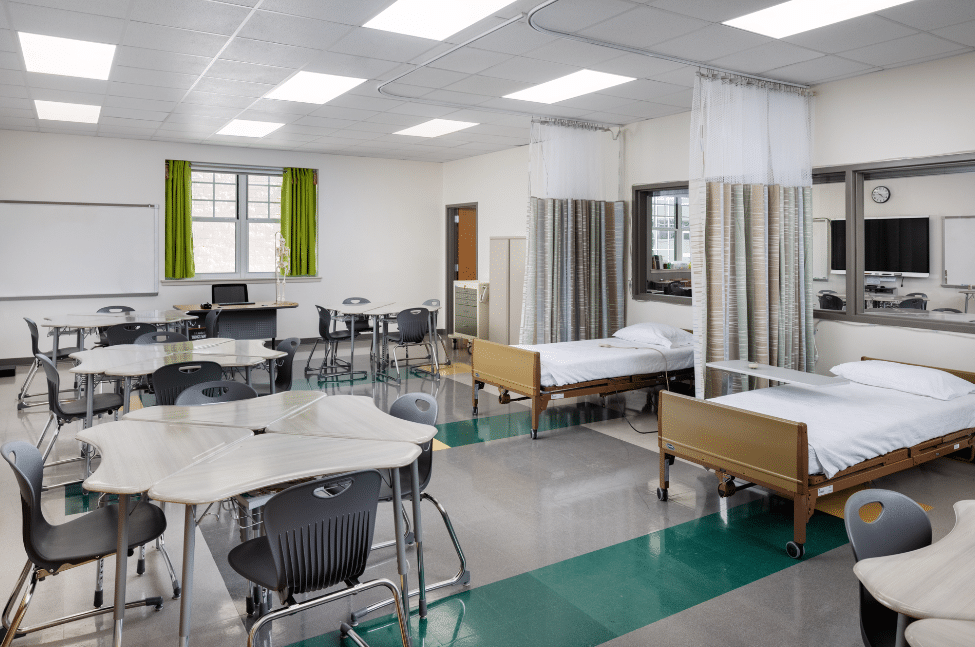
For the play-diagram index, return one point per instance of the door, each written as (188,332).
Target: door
(461,253)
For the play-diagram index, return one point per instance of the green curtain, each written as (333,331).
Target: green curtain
(179,221)
(299,219)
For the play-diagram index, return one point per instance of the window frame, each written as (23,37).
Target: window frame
(640,246)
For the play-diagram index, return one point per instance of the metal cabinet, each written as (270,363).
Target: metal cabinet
(471,309)
(507,287)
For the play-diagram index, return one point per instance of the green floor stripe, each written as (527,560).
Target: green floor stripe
(599,596)
(507,425)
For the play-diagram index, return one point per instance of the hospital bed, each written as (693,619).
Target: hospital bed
(804,443)
(547,372)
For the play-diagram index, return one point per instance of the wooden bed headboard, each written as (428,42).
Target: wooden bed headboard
(968,376)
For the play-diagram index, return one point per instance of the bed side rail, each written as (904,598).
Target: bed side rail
(513,368)
(769,451)
(965,375)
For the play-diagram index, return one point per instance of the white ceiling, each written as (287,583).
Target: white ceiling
(184,68)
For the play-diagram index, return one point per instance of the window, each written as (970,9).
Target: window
(235,218)
(661,242)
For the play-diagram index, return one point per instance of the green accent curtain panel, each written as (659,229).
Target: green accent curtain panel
(299,219)
(179,221)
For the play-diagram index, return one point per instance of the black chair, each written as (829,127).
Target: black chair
(332,367)
(318,535)
(947,310)
(213,392)
(901,527)
(912,304)
(284,367)
(923,297)
(63,355)
(358,322)
(679,290)
(210,323)
(160,337)
(127,333)
(171,380)
(53,549)
(102,339)
(413,326)
(228,293)
(830,302)
(420,408)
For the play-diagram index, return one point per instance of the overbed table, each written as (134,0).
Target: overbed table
(786,375)
(931,582)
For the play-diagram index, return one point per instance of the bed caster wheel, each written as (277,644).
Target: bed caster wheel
(661,494)
(534,434)
(795,551)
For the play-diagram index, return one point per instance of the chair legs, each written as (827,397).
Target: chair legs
(332,367)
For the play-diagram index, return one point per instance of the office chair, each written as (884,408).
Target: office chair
(53,549)
(228,293)
(284,367)
(159,337)
(830,302)
(913,304)
(171,380)
(318,535)
(924,302)
(127,333)
(102,339)
(216,391)
(901,527)
(413,326)
(408,407)
(332,368)
(947,310)
(63,355)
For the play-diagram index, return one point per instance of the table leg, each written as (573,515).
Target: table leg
(418,535)
(126,394)
(902,622)
(399,530)
(89,399)
(271,364)
(121,562)
(247,372)
(374,352)
(54,353)
(186,601)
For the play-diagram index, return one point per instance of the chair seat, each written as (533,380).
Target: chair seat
(93,535)
(341,335)
(64,352)
(253,560)
(104,402)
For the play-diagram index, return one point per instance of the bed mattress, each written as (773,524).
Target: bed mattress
(851,423)
(595,359)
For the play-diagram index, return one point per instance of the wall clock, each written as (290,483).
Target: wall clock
(880,194)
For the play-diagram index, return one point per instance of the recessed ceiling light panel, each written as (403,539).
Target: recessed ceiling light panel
(245,128)
(567,87)
(57,111)
(435,128)
(66,56)
(797,16)
(435,19)
(311,87)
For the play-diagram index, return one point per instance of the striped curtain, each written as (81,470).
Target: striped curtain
(574,270)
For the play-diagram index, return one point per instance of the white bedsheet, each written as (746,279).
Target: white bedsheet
(581,361)
(852,423)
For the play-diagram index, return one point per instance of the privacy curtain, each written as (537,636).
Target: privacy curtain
(574,285)
(179,221)
(299,219)
(751,227)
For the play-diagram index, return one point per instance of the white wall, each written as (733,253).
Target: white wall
(375,221)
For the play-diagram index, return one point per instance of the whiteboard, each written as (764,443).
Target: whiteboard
(959,257)
(51,250)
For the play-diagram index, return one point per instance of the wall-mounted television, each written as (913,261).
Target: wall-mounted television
(893,245)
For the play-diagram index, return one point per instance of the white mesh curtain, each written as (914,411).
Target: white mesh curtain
(574,268)
(751,226)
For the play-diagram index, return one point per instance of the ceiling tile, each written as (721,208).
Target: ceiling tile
(293,30)
(335,112)
(169,39)
(129,113)
(487,85)
(237,71)
(129,123)
(572,52)
(16,102)
(494,129)
(274,106)
(113,8)
(476,29)
(22,113)
(211,99)
(18,123)
(139,104)
(12,77)
(65,96)
(398,119)
(189,129)
(359,134)
(713,11)
(308,130)
(421,110)
(405,90)
(643,27)
(370,127)
(196,121)
(683,76)
(7,43)
(281,135)
(576,15)
(611,118)
(210,17)
(932,14)
(902,50)
(529,70)
(66,127)
(382,44)
(361,67)
(680,99)
(125,131)
(711,42)
(522,121)
(478,116)
(364,103)
(69,83)
(963,33)
(429,77)
(144,91)
(258,115)
(11,61)
(350,12)
(819,69)
(64,24)
(595,101)
(766,57)
(636,65)
(152,77)
(324,122)
(236,88)
(646,109)
(153,59)
(530,106)
(516,38)
(642,90)
(220,112)
(469,60)
(448,96)
(15,91)
(850,34)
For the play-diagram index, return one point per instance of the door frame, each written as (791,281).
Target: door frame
(450,274)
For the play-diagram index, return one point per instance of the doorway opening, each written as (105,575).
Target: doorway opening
(461,252)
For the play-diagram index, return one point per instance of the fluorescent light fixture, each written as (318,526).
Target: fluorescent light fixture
(57,111)
(797,16)
(435,128)
(245,128)
(311,87)
(566,87)
(66,56)
(435,19)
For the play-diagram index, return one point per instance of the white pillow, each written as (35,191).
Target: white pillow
(918,380)
(655,333)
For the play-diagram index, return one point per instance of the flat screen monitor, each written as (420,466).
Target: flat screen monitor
(896,245)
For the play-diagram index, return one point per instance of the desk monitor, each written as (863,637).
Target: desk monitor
(228,293)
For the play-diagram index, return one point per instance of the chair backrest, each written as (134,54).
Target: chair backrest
(827,292)
(160,337)
(433,303)
(211,323)
(914,304)
(53,385)
(171,380)
(324,323)
(413,325)
(283,374)
(28,466)
(127,333)
(408,407)
(34,337)
(355,301)
(830,302)
(679,290)
(918,294)
(216,391)
(228,293)
(320,532)
(947,310)
(116,309)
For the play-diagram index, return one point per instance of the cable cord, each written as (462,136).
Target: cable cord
(666,384)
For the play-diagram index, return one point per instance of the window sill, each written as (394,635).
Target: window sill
(290,279)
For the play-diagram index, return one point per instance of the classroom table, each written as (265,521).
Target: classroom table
(931,582)
(968,295)
(81,322)
(941,633)
(262,322)
(254,413)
